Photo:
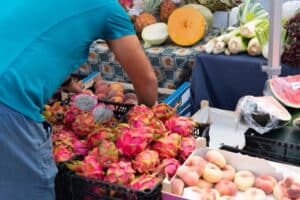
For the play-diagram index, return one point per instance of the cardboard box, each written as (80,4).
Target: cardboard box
(240,162)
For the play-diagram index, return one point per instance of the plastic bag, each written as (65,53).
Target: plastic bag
(262,113)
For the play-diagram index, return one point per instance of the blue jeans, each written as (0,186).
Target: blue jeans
(27,170)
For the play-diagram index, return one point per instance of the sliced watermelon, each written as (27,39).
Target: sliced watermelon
(286,90)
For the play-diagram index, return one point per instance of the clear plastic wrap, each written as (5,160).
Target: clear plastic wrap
(262,113)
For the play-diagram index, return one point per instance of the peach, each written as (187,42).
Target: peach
(244,180)
(100,83)
(197,163)
(228,172)
(189,177)
(226,187)
(265,183)
(204,184)
(131,101)
(212,173)
(101,89)
(101,96)
(227,198)
(116,86)
(130,95)
(206,193)
(216,157)
(254,194)
(118,99)
(287,189)
(177,186)
(113,93)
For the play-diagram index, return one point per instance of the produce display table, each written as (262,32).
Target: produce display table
(222,79)
(172,64)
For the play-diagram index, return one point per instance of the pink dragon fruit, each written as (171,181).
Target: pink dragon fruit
(187,146)
(88,168)
(145,182)
(138,121)
(71,114)
(58,128)
(84,124)
(163,111)
(107,153)
(80,147)
(131,142)
(159,128)
(140,111)
(54,114)
(182,125)
(62,153)
(146,161)
(167,147)
(167,168)
(84,101)
(99,134)
(126,4)
(120,173)
(120,128)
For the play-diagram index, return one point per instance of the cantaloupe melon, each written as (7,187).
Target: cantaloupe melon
(186,26)
(207,14)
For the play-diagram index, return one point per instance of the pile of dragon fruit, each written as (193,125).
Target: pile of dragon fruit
(137,154)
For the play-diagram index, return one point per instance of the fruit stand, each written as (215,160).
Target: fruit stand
(106,146)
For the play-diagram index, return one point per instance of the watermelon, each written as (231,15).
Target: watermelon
(286,90)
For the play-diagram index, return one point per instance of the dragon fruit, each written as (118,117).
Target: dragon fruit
(159,128)
(138,121)
(99,134)
(167,147)
(102,113)
(120,128)
(187,146)
(131,142)
(71,114)
(54,114)
(84,124)
(146,161)
(62,153)
(140,111)
(163,111)
(89,168)
(144,182)
(120,173)
(84,101)
(126,4)
(167,168)
(80,147)
(107,153)
(182,125)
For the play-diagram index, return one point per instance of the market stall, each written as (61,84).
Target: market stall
(223,80)
(172,64)
(106,146)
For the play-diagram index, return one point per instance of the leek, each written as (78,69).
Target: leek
(254,48)
(248,30)
(237,44)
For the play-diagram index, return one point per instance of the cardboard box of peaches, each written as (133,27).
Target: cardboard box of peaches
(210,174)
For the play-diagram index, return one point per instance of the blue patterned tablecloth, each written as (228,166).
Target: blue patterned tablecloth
(172,64)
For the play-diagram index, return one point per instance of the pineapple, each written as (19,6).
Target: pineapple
(166,8)
(148,16)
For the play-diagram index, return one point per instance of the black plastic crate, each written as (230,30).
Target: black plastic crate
(280,145)
(63,183)
(87,189)
(120,109)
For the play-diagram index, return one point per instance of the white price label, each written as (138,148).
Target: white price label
(295,85)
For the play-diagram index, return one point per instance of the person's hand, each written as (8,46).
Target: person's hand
(132,58)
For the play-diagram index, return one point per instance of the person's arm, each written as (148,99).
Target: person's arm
(132,58)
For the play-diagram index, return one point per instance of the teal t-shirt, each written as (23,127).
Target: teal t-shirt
(42,42)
